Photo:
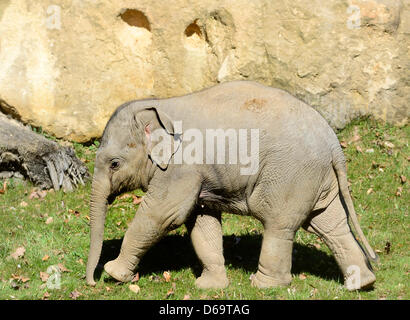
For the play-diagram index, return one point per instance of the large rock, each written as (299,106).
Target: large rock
(66,65)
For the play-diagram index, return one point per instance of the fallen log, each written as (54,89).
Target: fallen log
(24,153)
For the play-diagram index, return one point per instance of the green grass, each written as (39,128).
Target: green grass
(381,205)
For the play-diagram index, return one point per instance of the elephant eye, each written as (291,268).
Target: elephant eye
(115,164)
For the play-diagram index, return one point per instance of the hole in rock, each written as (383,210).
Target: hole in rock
(135,18)
(192,29)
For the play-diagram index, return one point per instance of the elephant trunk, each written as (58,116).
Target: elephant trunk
(98,208)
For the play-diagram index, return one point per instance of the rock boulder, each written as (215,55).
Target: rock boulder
(66,65)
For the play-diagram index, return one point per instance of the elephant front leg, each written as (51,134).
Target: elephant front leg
(275,259)
(161,211)
(206,235)
(140,236)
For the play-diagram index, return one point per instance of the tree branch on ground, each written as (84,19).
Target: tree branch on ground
(24,153)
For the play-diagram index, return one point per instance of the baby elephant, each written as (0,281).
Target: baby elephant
(238,147)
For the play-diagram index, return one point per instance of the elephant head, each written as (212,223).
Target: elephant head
(125,161)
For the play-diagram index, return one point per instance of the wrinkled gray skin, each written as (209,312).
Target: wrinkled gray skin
(301,182)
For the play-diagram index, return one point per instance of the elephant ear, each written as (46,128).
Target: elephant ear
(158,132)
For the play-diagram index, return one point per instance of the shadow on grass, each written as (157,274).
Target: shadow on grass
(175,252)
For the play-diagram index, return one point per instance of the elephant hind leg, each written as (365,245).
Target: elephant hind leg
(331,224)
(275,260)
(206,234)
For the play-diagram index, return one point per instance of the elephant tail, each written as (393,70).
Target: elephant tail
(339,165)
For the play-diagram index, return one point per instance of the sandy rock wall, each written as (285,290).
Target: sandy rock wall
(66,65)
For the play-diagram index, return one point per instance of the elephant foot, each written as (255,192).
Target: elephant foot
(212,279)
(263,281)
(365,282)
(118,271)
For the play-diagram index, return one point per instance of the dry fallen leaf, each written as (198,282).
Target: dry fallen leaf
(44,276)
(171,291)
(62,268)
(46,295)
(45,258)
(37,194)
(388,144)
(33,195)
(403,179)
(24,279)
(74,212)
(356,137)
(75,294)
(358,149)
(4,187)
(136,200)
(343,144)
(20,278)
(302,276)
(49,220)
(18,253)
(134,288)
(136,278)
(167,276)
(399,191)
(23,204)
(125,196)
(187,297)
(369,191)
